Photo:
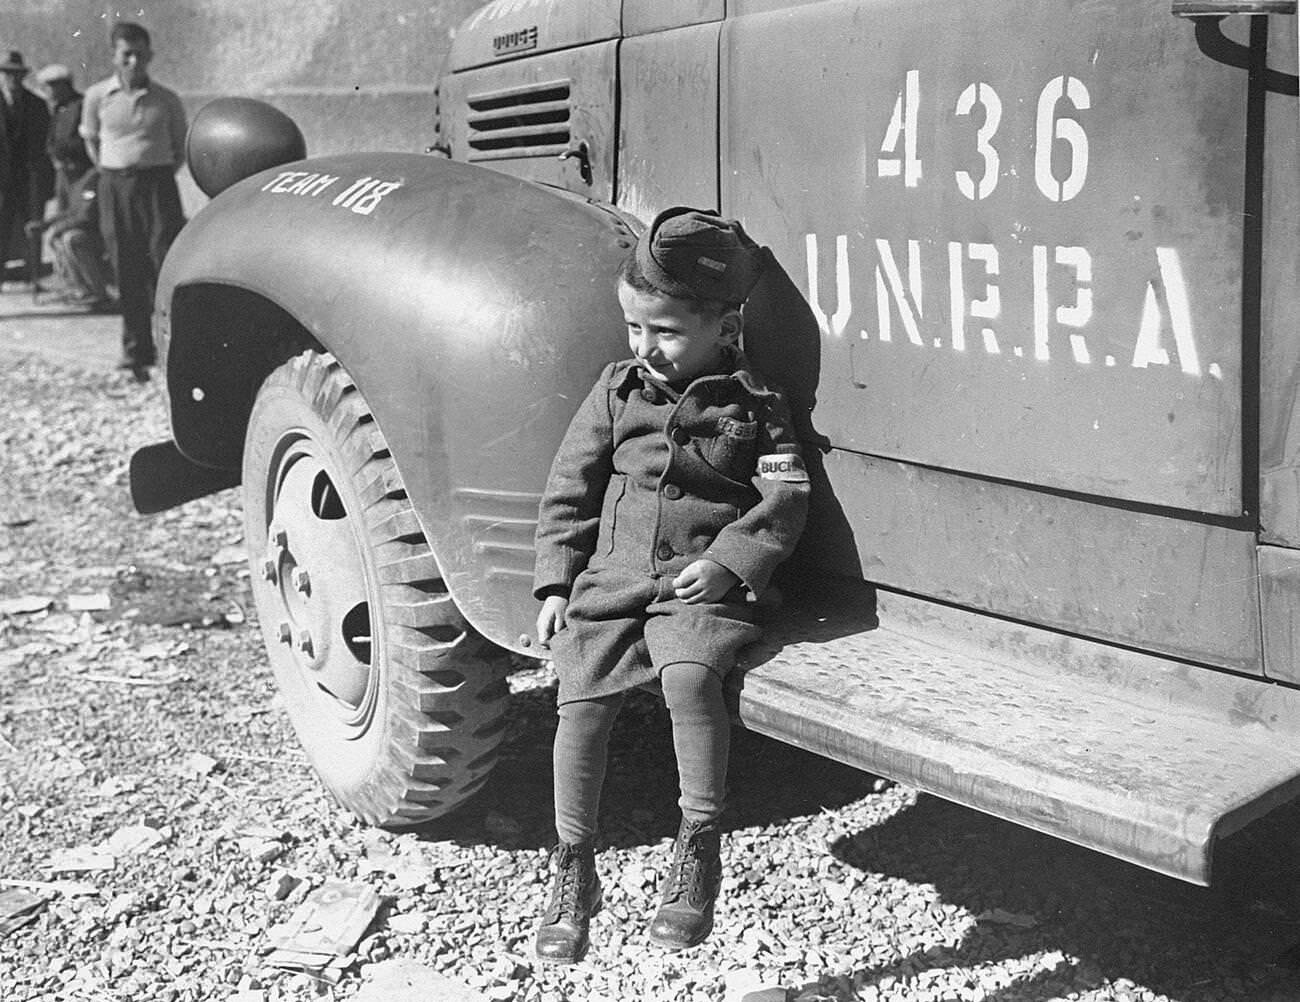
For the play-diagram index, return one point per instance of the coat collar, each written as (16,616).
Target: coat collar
(629,373)
(115,84)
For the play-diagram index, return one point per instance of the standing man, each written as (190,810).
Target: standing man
(65,147)
(134,129)
(24,170)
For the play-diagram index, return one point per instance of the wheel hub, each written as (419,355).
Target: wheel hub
(313,565)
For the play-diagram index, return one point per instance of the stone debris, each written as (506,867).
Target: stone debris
(63,627)
(161,650)
(228,555)
(15,657)
(410,925)
(409,981)
(281,885)
(115,786)
(751,985)
(262,850)
(121,906)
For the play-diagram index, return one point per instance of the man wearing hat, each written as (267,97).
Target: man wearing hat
(25,173)
(65,147)
(676,491)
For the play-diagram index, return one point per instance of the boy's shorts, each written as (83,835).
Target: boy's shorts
(622,628)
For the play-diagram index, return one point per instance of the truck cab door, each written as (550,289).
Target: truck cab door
(1020,227)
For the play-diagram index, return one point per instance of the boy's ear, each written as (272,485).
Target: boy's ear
(733,324)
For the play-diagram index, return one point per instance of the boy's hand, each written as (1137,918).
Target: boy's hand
(704,581)
(550,620)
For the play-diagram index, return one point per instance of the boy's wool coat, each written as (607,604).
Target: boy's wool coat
(643,485)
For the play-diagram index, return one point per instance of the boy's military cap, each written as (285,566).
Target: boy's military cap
(693,253)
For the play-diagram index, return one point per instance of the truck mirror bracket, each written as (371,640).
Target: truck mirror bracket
(1207,17)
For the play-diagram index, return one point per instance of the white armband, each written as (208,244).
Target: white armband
(786,466)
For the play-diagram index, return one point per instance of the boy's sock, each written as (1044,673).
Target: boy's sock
(579,758)
(701,737)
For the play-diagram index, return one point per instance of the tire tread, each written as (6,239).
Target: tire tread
(446,700)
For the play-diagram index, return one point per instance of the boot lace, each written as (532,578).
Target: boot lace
(567,899)
(686,870)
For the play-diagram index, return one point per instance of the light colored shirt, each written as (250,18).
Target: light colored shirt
(142,128)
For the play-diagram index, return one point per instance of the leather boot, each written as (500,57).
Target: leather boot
(685,916)
(575,897)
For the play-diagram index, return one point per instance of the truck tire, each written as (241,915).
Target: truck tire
(397,701)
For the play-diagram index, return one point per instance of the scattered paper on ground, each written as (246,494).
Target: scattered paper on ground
(80,859)
(25,604)
(322,932)
(132,839)
(68,888)
(17,908)
(197,764)
(93,602)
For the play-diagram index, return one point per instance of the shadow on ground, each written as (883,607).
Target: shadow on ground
(1101,910)
(1167,936)
(769,781)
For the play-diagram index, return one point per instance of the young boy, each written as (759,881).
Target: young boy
(676,491)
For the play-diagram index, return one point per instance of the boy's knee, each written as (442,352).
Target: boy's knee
(590,716)
(689,681)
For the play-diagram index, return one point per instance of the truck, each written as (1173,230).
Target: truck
(1034,300)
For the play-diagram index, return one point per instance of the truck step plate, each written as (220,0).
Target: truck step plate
(1140,757)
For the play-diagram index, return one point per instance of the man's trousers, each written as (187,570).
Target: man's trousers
(140,215)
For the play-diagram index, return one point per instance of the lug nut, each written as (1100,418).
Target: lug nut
(268,570)
(285,632)
(279,537)
(301,581)
(305,645)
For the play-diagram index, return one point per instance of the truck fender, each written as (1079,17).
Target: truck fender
(473,311)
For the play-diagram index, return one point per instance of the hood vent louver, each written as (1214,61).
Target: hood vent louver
(528,121)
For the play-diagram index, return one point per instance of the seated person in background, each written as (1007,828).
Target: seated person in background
(78,247)
(65,147)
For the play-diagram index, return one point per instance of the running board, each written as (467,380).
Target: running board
(1140,757)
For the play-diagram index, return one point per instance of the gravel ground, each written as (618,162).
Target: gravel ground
(152,727)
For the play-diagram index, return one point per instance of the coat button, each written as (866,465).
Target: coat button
(665,552)
(672,492)
(649,394)
(680,435)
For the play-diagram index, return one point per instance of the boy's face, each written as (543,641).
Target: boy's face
(672,341)
(131,58)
